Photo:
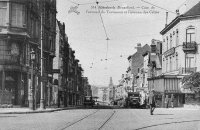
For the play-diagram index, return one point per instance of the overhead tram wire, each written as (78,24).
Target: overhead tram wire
(182,4)
(158,7)
(97,2)
(105,31)
(102,20)
(108,59)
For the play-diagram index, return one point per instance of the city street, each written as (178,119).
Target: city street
(105,119)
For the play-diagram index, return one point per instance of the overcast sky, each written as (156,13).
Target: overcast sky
(88,38)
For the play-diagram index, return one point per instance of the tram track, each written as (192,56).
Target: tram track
(100,123)
(75,122)
(107,120)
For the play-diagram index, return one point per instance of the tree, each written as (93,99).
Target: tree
(192,81)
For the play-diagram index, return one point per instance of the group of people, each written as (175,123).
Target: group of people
(152,101)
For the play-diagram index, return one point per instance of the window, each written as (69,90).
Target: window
(167,65)
(176,61)
(163,65)
(190,35)
(3,10)
(4,51)
(17,15)
(170,41)
(177,37)
(170,64)
(167,43)
(189,62)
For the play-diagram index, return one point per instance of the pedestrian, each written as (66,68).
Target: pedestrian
(152,101)
(166,101)
(172,101)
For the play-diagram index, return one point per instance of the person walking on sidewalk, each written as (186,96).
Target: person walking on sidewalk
(166,101)
(152,101)
(172,100)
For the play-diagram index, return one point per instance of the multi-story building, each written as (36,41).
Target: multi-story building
(137,61)
(80,90)
(180,53)
(20,32)
(68,80)
(153,69)
(58,66)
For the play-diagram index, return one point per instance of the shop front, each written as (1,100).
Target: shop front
(167,88)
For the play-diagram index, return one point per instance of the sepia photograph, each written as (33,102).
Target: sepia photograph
(99,64)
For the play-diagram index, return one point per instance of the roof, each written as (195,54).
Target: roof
(144,49)
(137,59)
(193,12)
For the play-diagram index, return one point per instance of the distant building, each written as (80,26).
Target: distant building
(137,61)
(95,91)
(111,90)
(103,94)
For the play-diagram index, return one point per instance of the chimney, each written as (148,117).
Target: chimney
(177,12)
(111,82)
(153,46)
(139,47)
(166,18)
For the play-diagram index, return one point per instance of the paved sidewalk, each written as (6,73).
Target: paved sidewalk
(29,111)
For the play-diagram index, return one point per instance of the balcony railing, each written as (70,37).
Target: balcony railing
(189,47)
(187,70)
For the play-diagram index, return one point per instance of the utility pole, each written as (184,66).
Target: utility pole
(41,65)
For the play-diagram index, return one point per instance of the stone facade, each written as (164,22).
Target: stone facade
(20,33)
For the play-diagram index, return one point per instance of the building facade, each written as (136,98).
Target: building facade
(136,66)
(69,83)
(179,54)
(20,32)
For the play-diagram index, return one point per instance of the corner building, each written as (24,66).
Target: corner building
(180,56)
(20,32)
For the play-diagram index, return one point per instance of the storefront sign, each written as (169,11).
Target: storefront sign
(169,52)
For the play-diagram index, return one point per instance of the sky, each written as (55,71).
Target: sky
(88,30)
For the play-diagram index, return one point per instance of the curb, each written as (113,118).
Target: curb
(40,111)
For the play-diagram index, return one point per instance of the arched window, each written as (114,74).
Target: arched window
(190,34)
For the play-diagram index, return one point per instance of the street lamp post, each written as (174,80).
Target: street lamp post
(31,101)
(41,65)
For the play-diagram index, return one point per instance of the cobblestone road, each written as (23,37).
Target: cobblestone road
(105,119)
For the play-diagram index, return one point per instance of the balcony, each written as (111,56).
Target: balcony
(187,70)
(189,47)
